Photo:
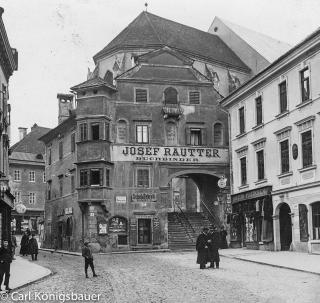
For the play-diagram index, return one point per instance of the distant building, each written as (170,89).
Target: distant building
(28,180)
(256,50)
(275,126)
(8,64)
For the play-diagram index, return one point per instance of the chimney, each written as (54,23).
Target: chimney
(22,132)
(65,102)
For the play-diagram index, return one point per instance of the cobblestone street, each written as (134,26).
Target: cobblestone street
(174,277)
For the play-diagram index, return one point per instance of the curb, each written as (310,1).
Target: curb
(272,265)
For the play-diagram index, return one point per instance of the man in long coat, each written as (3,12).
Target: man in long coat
(5,261)
(24,244)
(33,248)
(202,248)
(213,246)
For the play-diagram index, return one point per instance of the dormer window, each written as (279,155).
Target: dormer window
(170,96)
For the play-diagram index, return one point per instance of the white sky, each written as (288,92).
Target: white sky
(56,39)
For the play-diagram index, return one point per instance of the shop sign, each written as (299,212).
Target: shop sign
(252,194)
(102,228)
(183,154)
(118,224)
(142,197)
(121,199)
(68,211)
(20,208)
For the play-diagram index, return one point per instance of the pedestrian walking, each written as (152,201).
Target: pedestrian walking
(202,248)
(33,248)
(13,245)
(223,238)
(213,240)
(88,259)
(55,243)
(24,244)
(5,261)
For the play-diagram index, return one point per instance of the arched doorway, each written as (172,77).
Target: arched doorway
(285,226)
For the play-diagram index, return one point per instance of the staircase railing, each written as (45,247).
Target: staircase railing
(215,218)
(186,220)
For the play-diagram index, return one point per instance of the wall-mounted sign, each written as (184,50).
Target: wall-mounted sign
(252,194)
(222,182)
(142,197)
(68,210)
(181,154)
(20,208)
(121,199)
(102,228)
(118,224)
(91,214)
(295,151)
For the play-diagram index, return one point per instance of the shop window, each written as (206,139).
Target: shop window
(83,177)
(316,220)
(243,170)
(95,131)
(60,149)
(306,142)
(32,176)
(283,97)
(170,96)
(122,131)
(284,154)
(260,164)
(259,110)
(32,198)
(142,133)
(144,231)
(141,95)
(96,177)
(73,142)
(143,177)
(218,134)
(17,175)
(194,97)
(305,84)
(241,120)
(83,132)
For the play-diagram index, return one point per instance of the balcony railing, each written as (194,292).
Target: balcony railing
(172,111)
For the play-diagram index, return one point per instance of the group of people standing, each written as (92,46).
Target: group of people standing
(29,245)
(208,244)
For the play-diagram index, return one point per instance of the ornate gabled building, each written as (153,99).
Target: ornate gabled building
(8,64)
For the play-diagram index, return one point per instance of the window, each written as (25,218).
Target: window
(316,220)
(171,133)
(17,197)
(17,175)
(283,97)
(44,177)
(83,177)
(143,177)
(259,110)
(122,131)
(142,133)
(305,84)
(260,164)
(141,95)
(241,120)
(96,177)
(95,131)
(284,154)
(32,198)
(170,96)
(32,176)
(49,183)
(195,136)
(73,142)
(83,129)
(306,141)
(194,97)
(49,156)
(61,186)
(60,150)
(108,77)
(72,181)
(217,134)
(107,131)
(243,170)
(108,177)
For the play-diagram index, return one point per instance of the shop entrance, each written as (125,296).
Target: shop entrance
(285,226)
(144,231)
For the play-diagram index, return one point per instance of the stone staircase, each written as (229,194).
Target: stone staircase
(183,229)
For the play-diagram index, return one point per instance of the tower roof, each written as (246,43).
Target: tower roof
(151,31)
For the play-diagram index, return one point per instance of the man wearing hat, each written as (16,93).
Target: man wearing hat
(88,258)
(5,261)
(213,246)
(202,248)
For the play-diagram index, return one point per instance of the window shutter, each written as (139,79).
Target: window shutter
(203,136)
(141,95)
(303,223)
(194,97)
(188,136)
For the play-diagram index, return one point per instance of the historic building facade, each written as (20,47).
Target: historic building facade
(28,180)
(8,64)
(275,124)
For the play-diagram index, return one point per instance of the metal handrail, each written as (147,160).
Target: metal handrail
(216,219)
(185,217)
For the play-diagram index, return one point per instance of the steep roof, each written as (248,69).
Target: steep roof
(94,82)
(16,157)
(268,47)
(30,143)
(151,31)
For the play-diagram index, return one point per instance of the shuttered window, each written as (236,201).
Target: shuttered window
(194,97)
(141,95)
